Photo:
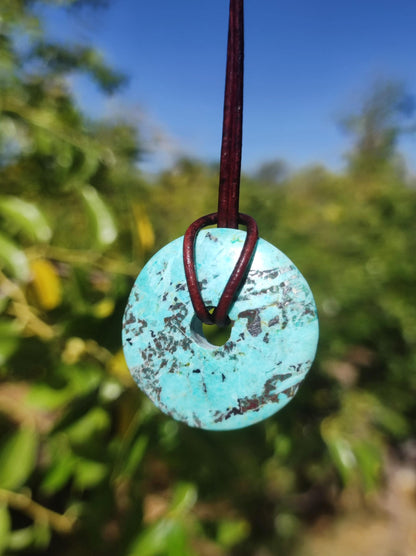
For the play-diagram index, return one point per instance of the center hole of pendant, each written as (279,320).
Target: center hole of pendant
(210,336)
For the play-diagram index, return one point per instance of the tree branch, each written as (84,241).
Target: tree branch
(60,523)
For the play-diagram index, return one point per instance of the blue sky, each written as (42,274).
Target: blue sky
(308,62)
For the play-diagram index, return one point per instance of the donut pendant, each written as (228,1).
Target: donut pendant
(257,371)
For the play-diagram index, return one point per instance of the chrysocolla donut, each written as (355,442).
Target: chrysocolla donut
(257,371)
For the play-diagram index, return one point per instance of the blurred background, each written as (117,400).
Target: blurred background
(110,129)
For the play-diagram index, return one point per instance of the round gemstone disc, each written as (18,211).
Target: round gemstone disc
(257,371)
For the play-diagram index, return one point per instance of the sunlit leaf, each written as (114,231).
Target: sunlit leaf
(18,457)
(75,348)
(5,525)
(232,532)
(41,534)
(88,473)
(89,427)
(144,228)
(392,421)
(46,284)
(59,474)
(369,459)
(4,301)
(178,544)
(117,366)
(339,448)
(154,540)
(169,535)
(9,339)
(102,221)
(184,498)
(135,456)
(14,259)
(75,381)
(103,308)
(22,539)
(27,217)
(44,396)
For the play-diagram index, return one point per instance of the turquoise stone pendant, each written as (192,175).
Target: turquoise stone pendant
(257,371)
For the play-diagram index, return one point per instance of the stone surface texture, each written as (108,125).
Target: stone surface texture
(257,371)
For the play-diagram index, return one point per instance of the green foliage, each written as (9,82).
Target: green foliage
(169,535)
(14,259)
(87,464)
(25,217)
(104,228)
(5,526)
(384,116)
(61,60)
(18,457)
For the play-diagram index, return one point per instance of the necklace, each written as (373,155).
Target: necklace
(227,277)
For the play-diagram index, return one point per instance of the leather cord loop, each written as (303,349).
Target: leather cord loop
(220,314)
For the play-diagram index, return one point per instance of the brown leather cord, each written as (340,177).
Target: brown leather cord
(232,133)
(220,314)
(228,215)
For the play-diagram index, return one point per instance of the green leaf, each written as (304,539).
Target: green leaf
(64,59)
(167,537)
(46,284)
(89,427)
(4,301)
(59,474)
(369,459)
(22,538)
(80,380)
(184,498)
(178,542)
(5,526)
(43,396)
(102,221)
(14,259)
(154,540)
(26,217)
(135,455)
(339,448)
(41,534)
(9,339)
(232,532)
(18,458)
(343,457)
(392,421)
(88,473)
